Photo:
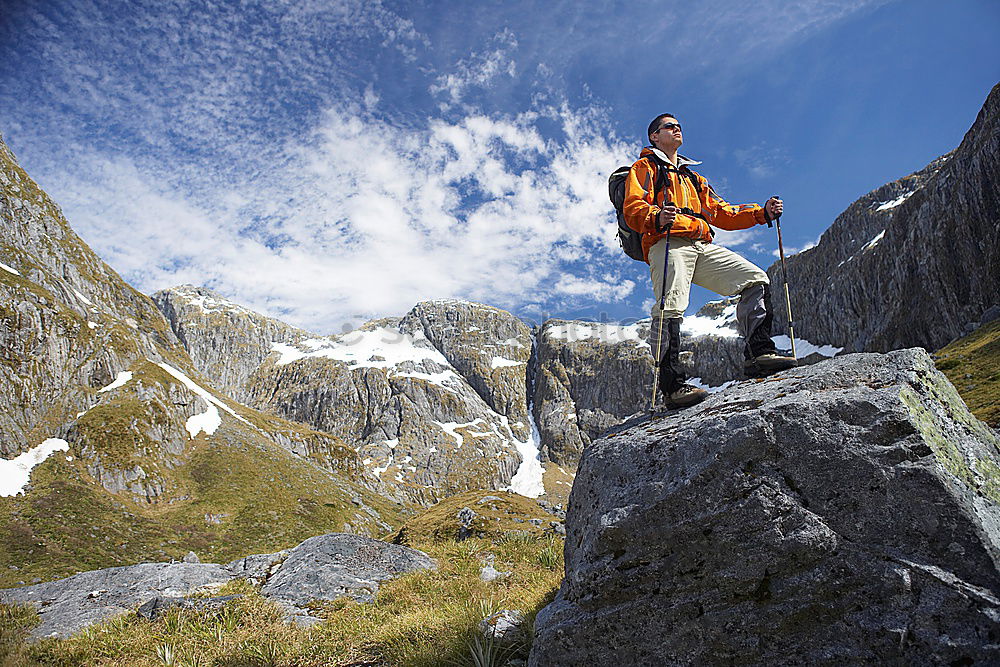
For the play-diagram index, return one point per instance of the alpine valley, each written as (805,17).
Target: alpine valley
(199,447)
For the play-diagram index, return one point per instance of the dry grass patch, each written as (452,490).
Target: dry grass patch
(422,619)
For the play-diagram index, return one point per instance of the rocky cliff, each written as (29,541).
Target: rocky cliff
(845,512)
(592,376)
(416,420)
(226,342)
(914,262)
(115,449)
(69,322)
(408,392)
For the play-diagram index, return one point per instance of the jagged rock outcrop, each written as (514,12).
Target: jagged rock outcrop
(914,262)
(409,394)
(591,376)
(845,512)
(68,322)
(410,413)
(488,346)
(226,342)
(326,567)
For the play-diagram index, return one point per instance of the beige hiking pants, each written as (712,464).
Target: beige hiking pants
(705,264)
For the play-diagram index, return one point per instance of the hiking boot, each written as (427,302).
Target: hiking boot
(685,396)
(768,363)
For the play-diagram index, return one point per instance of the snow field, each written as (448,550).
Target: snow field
(15,473)
(207,421)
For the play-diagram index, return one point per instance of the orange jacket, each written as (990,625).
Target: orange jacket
(641,211)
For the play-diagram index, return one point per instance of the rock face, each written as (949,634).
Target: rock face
(592,376)
(416,421)
(490,348)
(326,567)
(68,322)
(914,262)
(843,513)
(226,341)
(404,390)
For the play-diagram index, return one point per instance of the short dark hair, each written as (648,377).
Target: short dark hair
(654,125)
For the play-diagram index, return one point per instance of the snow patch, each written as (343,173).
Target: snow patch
(120,381)
(804,348)
(699,325)
(9,269)
(209,420)
(376,348)
(82,297)
(874,241)
(598,331)
(527,481)
(710,389)
(15,473)
(451,428)
(895,202)
(501,362)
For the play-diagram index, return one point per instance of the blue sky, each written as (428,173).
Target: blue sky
(328,162)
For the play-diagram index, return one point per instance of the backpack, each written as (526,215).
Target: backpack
(631,240)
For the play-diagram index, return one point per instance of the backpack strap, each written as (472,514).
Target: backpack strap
(662,175)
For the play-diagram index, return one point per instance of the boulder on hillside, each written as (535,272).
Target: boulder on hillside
(841,513)
(326,567)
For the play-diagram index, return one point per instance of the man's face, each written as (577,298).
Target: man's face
(668,137)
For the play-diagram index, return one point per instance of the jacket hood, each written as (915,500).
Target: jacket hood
(681,159)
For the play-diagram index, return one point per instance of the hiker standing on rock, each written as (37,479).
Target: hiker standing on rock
(668,203)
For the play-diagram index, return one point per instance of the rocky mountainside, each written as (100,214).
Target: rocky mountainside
(435,401)
(845,512)
(226,341)
(115,449)
(410,392)
(914,262)
(70,323)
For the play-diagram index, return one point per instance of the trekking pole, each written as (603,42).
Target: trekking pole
(784,278)
(663,298)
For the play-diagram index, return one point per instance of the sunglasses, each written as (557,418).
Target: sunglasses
(668,126)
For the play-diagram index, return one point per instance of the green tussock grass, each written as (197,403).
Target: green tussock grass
(268,500)
(972,364)
(422,619)
(508,514)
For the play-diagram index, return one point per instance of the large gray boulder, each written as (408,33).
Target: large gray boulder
(338,565)
(325,567)
(841,513)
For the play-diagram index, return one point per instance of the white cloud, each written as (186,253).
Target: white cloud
(794,250)
(364,218)
(256,151)
(480,69)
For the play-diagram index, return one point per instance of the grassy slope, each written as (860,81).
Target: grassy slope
(226,496)
(972,364)
(498,513)
(423,619)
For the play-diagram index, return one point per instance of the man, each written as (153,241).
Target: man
(671,205)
